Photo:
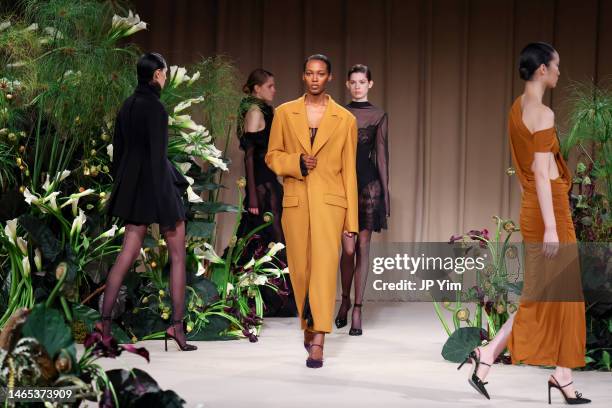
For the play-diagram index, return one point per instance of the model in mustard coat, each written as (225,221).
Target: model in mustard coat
(317,208)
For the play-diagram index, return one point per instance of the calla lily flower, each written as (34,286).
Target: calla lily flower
(22,244)
(25,263)
(38,259)
(177,75)
(217,162)
(78,223)
(4,25)
(74,200)
(194,78)
(126,26)
(11,230)
(110,233)
(109,151)
(186,104)
(31,27)
(51,198)
(192,196)
(47,185)
(208,253)
(229,288)
(29,197)
(136,28)
(184,167)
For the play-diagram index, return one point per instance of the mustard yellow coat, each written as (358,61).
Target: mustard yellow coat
(316,208)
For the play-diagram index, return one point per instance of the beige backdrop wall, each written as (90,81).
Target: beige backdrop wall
(444,70)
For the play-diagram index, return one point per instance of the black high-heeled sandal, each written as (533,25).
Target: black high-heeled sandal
(341,322)
(182,347)
(313,362)
(474,380)
(353,331)
(99,326)
(568,400)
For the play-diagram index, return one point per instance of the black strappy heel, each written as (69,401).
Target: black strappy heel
(182,347)
(312,362)
(568,400)
(340,323)
(353,331)
(474,380)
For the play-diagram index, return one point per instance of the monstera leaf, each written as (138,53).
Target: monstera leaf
(460,343)
(48,327)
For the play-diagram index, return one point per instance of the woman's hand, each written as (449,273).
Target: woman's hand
(550,246)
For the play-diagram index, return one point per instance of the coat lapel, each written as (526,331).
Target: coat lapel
(299,124)
(327,127)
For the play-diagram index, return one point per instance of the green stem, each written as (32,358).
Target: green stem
(66,308)
(439,313)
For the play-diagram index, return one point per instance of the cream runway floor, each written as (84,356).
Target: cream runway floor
(396,363)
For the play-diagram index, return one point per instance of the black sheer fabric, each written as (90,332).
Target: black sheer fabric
(264,192)
(372,166)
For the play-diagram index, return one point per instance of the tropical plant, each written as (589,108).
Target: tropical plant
(490,294)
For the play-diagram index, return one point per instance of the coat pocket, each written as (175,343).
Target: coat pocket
(290,201)
(335,200)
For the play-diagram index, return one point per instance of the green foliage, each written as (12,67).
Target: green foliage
(48,327)
(461,343)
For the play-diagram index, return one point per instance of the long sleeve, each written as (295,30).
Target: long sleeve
(382,160)
(118,148)
(349,176)
(277,158)
(156,123)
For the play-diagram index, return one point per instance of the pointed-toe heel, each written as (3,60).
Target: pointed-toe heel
(579,400)
(474,380)
(341,322)
(354,331)
(181,346)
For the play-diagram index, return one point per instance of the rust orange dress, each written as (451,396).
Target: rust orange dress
(549,327)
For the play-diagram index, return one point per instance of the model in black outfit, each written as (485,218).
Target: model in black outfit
(147,189)
(264,192)
(373,185)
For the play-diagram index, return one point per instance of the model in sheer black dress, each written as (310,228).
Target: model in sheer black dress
(373,187)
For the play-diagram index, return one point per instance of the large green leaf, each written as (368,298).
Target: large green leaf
(460,343)
(206,289)
(136,388)
(50,246)
(200,229)
(212,331)
(48,327)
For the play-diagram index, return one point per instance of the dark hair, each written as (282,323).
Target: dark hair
(532,56)
(319,57)
(364,69)
(259,77)
(148,64)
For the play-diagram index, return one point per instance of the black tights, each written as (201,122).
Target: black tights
(354,264)
(132,243)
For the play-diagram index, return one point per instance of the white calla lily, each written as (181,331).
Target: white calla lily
(78,223)
(64,174)
(47,184)
(4,25)
(263,259)
(192,196)
(194,78)
(25,263)
(190,180)
(217,162)
(201,269)
(109,151)
(177,75)
(38,259)
(110,233)
(275,248)
(22,244)
(51,198)
(31,27)
(260,280)
(11,230)
(187,103)
(249,264)
(229,287)
(208,253)
(136,28)
(184,167)
(29,197)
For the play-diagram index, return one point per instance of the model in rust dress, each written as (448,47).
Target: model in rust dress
(549,327)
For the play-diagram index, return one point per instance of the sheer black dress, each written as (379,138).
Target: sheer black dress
(372,166)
